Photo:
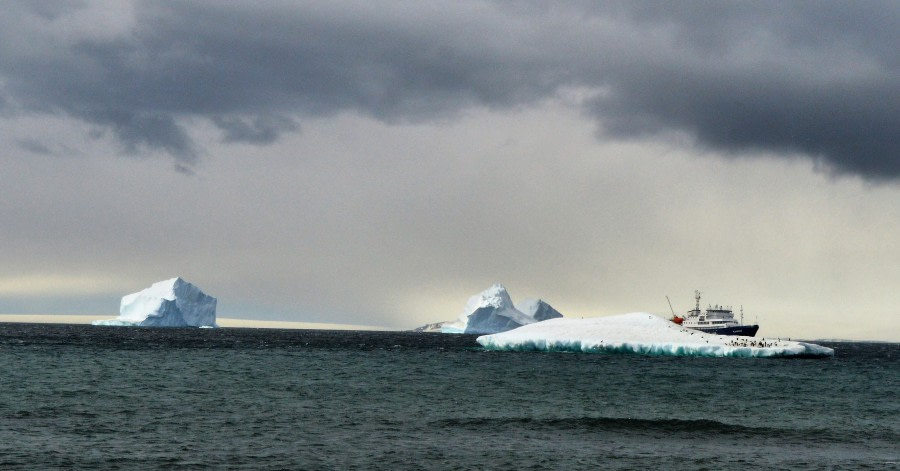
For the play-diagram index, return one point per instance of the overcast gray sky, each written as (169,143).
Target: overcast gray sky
(378,162)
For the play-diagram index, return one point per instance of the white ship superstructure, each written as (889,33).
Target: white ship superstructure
(715,320)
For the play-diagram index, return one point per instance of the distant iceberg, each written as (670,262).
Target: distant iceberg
(492,311)
(432,328)
(538,310)
(641,333)
(169,303)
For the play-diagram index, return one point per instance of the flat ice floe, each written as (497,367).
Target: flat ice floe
(641,333)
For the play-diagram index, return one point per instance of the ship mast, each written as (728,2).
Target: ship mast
(697,298)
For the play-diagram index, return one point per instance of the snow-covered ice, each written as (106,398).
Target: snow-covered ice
(641,333)
(169,303)
(492,311)
(537,310)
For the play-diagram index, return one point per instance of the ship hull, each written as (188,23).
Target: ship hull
(744,330)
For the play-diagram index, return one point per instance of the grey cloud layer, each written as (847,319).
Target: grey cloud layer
(820,79)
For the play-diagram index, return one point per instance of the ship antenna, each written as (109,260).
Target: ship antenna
(697,297)
(670,306)
(742,314)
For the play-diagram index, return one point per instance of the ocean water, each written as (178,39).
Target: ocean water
(86,397)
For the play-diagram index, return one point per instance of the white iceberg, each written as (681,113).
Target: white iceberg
(169,303)
(641,333)
(538,310)
(492,311)
(432,328)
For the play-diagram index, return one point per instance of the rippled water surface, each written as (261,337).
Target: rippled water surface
(85,397)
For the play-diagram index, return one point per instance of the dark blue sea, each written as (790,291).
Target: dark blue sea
(85,397)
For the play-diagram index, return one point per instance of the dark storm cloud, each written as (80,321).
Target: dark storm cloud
(818,79)
(34,147)
(47,9)
(258,130)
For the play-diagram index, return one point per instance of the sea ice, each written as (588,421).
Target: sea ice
(492,311)
(641,333)
(169,303)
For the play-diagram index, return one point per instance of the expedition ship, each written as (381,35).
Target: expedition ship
(716,319)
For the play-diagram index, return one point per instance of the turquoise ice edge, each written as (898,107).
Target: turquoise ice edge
(642,334)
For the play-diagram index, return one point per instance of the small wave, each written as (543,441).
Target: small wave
(673,427)
(669,425)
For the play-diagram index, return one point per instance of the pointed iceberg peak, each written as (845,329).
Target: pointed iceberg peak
(173,282)
(495,296)
(538,310)
(493,311)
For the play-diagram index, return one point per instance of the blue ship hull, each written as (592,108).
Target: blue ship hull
(745,330)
